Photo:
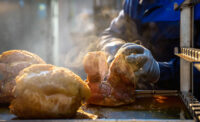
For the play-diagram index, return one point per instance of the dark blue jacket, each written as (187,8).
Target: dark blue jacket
(157,24)
(161,13)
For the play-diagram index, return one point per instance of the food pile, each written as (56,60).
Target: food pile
(11,63)
(36,90)
(47,91)
(111,85)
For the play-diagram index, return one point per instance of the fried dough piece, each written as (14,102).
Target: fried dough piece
(11,63)
(46,91)
(95,66)
(116,84)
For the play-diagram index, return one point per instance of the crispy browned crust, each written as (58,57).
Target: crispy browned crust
(45,91)
(95,66)
(114,88)
(11,63)
(19,55)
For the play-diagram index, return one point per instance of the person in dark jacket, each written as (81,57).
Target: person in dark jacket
(149,29)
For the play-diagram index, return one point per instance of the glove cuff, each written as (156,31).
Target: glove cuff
(157,72)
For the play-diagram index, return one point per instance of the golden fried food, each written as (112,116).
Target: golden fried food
(11,63)
(46,91)
(96,66)
(112,85)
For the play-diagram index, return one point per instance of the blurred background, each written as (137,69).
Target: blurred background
(59,31)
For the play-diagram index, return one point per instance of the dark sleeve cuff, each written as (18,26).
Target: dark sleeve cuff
(169,75)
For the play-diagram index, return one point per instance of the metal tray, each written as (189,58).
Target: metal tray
(148,106)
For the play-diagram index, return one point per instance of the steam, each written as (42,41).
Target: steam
(83,39)
(84,36)
(26,25)
(22,28)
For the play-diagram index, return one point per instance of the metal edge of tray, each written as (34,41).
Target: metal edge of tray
(187,58)
(105,120)
(192,104)
(189,54)
(170,92)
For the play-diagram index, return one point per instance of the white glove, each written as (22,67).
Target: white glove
(148,69)
(112,48)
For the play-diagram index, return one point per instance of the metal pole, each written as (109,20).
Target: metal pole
(55,30)
(186,40)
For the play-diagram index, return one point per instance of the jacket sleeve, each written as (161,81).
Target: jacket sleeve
(169,75)
(124,29)
(121,30)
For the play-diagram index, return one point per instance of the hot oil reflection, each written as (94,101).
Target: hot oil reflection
(151,107)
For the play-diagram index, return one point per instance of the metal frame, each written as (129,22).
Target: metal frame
(102,120)
(55,30)
(186,40)
(188,56)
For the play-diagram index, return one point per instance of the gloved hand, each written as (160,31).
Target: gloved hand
(112,48)
(148,70)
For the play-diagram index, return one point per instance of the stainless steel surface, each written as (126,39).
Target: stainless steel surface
(187,58)
(195,105)
(156,92)
(189,54)
(196,108)
(149,106)
(192,104)
(186,40)
(197,113)
(55,30)
(103,120)
(186,74)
